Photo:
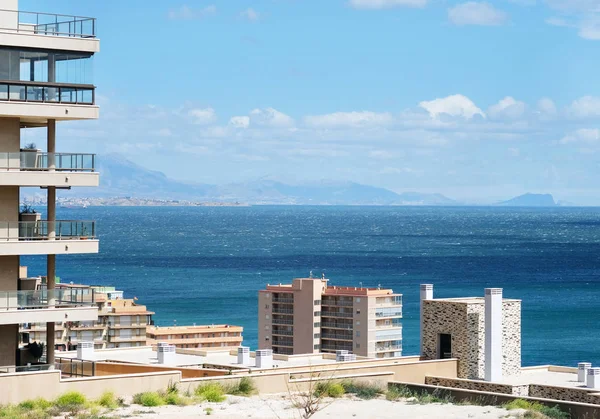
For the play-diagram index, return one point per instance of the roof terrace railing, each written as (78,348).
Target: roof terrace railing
(40,161)
(43,299)
(39,230)
(46,92)
(50,24)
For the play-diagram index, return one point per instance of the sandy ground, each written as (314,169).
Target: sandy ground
(277,407)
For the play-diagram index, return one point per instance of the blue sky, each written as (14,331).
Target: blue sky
(476,100)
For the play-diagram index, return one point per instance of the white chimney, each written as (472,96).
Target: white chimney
(264,358)
(85,350)
(582,370)
(593,378)
(166,354)
(493,334)
(426,294)
(243,355)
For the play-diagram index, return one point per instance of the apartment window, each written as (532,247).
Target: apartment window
(357,311)
(358,333)
(266,306)
(358,322)
(358,299)
(317,335)
(317,346)
(267,327)
(357,345)
(317,324)
(317,302)
(267,317)
(317,313)
(266,338)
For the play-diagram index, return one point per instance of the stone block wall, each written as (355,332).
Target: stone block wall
(518,390)
(580,395)
(465,321)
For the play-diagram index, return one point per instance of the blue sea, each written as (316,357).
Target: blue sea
(206,264)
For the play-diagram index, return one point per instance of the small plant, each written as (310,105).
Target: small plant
(364,391)
(212,392)
(245,387)
(208,411)
(536,410)
(36,404)
(334,390)
(27,209)
(30,146)
(171,387)
(108,400)
(395,393)
(71,401)
(148,399)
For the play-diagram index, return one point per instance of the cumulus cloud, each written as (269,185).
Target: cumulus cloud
(250,14)
(203,116)
(583,135)
(476,13)
(270,117)
(455,105)
(507,108)
(240,121)
(583,15)
(386,4)
(349,119)
(188,13)
(584,107)
(546,107)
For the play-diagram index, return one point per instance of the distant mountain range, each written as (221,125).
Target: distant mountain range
(120,177)
(530,200)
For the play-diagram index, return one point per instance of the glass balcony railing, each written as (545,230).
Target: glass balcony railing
(39,230)
(39,161)
(43,92)
(388,312)
(43,299)
(336,325)
(48,24)
(336,314)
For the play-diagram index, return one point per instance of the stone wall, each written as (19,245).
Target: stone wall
(515,390)
(580,395)
(465,321)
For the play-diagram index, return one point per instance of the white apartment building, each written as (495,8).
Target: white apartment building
(45,78)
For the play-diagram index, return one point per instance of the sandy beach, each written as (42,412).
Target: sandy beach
(278,407)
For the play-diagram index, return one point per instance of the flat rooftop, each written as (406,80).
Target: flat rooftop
(146,355)
(468,300)
(547,375)
(166,330)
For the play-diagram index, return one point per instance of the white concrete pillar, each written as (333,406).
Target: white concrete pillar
(582,370)
(51,144)
(493,334)
(426,294)
(593,378)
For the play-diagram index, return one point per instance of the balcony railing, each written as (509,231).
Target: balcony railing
(283,300)
(283,332)
(38,230)
(334,347)
(338,303)
(43,92)
(282,321)
(283,343)
(388,312)
(42,299)
(336,314)
(48,24)
(388,348)
(279,310)
(39,161)
(336,325)
(337,336)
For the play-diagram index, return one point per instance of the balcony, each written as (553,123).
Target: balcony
(338,303)
(336,336)
(336,346)
(336,314)
(389,346)
(43,306)
(33,238)
(116,339)
(277,332)
(336,325)
(35,168)
(388,312)
(279,310)
(282,321)
(289,343)
(283,300)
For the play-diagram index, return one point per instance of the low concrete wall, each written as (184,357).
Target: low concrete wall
(576,410)
(581,395)
(110,368)
(517,390)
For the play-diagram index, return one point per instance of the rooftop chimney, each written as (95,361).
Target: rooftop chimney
(243,355)
(582,370)
(264,358)
(85,350)
(493,334)
(593,378)
(166,354)
(426,294)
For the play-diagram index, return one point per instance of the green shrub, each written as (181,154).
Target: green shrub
(365,391)
(148,399)
(108,400)
(398,392)
(334,390)
(71,400)
(518,404)
(212,392)
(245,387)
(208,410)
(532,408)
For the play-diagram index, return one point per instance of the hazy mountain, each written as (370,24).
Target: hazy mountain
(530,200)
(120,177)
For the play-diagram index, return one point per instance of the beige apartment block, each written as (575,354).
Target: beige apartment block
(45,77)
(309,316)
(121,323)
(215,337)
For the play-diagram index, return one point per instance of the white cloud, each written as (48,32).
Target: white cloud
(584,107)
(187,13)
(250,14)
(204,116)
(507,108)
(584,15)
(398,171)
(455,105)
(559,21)
(546,107)
(164,132)
(386,4)
(590,28)
(349,119)
(381,154)
(240,121)
(476,13)
(582,135)
(270,117)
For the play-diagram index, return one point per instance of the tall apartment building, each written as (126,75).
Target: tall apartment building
(45,78)
(121,323)
(308,316)
(219,336)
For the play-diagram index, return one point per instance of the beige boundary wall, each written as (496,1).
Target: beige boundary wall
(479,385)
(48,384)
